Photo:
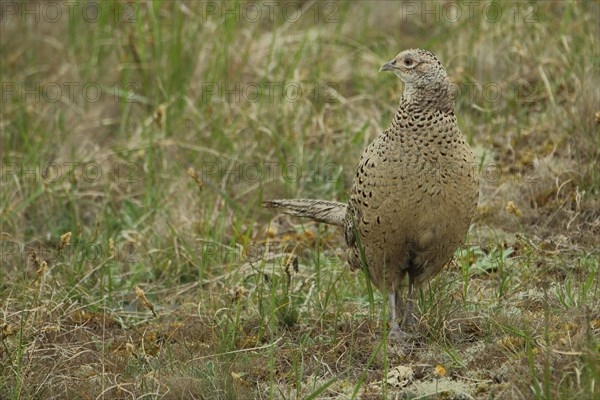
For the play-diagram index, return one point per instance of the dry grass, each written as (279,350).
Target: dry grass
(126,274)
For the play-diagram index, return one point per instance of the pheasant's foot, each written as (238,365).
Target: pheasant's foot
(399,341)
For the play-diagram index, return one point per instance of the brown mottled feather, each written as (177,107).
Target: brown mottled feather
(329,212)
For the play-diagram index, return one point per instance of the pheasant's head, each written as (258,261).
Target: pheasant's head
(423,75)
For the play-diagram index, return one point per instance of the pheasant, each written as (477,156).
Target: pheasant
(414,193)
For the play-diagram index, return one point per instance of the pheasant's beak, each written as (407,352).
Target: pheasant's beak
(388,66)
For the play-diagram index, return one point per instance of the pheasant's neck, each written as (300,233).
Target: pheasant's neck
(430,97)
(413,118)
(417,105)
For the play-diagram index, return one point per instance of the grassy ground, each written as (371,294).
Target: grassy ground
(139,139)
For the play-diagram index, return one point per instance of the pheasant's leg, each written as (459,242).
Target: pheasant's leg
(409,320)
(398,306)
(395,331)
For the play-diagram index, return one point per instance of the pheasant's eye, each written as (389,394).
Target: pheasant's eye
(408,62)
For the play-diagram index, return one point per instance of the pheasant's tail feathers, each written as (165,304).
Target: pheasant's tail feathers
(329,212)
